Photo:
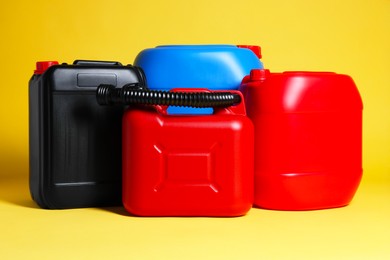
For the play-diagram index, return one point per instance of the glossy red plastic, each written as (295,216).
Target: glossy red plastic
(308,138)
(42,66)
(187,165)
(255,48)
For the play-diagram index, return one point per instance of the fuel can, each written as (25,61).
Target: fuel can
(74,144)
(308,138)
(215,67)
(187,165)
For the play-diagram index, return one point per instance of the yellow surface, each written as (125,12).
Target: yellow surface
(351,37)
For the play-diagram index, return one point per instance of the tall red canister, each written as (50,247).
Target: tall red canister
(308,138)
(187,165)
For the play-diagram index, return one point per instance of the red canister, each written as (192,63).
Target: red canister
(187,165)
(308,138)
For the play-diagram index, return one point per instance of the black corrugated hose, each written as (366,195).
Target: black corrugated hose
(132,94)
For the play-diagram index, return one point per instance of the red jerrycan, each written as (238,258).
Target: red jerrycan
(308,138)
(187,165)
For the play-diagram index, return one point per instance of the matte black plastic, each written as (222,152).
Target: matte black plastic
(96,63)
(75,144)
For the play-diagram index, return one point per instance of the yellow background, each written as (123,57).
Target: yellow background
(351,37)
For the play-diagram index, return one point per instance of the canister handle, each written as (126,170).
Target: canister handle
(237,109)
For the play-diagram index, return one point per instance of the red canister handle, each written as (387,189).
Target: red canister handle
(238,109)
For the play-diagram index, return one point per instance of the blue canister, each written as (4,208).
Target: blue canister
(215,67)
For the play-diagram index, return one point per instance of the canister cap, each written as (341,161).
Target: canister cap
(259,74)
(256,49)
(42,66)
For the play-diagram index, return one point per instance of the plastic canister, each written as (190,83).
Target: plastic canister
(75,144)
(187,165)
(308,138)
(215,67)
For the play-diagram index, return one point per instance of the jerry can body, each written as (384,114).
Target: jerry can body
(75,144)
(187,165)
(308,138)
(215,67)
